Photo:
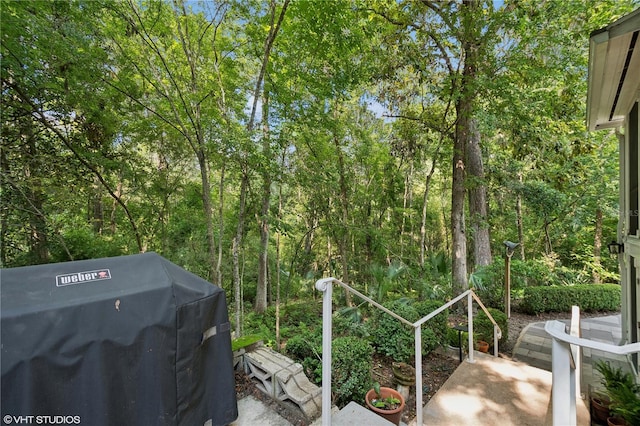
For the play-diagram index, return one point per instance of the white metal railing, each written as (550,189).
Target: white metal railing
(565,361)
(325,285)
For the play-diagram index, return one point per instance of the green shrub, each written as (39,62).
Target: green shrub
(434,331)
(453,339)
(589,297)
(489,281)
(348,322)
(306,348)
(483,327)
(307,312)
(263,324)
(351,369)
(390,336)
(393,338)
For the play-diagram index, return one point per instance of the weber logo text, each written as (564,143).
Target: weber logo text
(82,277)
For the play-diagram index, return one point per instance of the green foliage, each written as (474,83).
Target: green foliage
(483,327)
(434,331)
(348,322)
(307,312)
(292,316)
(589,297)
(622,390)
(390,336)
(452,337)
(244,341)
(351,369)
(489,281)
(395,339)
(385,280)
(305,347)
(110,123)
(388,403)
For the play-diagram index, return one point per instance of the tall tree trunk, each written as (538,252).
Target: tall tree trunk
(344,208)
(423,219)
(114,205)
(96,208)
(597,247)
(458,235)
(208,211)
(38,241)
(268,44)
(407,202)
(4,206)
(235,248)
(197,142)
(548,248)
(519,220)
(221,224)
(260,304)
(464,113)
(278,345)
(478,198)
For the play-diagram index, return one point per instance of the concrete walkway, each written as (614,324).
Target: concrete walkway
(253,412)
(533,347)
(494,391)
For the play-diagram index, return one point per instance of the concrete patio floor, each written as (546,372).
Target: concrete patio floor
(494,391)
(518,392)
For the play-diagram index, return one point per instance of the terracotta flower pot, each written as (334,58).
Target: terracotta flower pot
(483,346)
(600,408)
(394,416)
(616,421)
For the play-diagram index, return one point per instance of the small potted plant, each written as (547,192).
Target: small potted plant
(482,346)
(623,392)
(600,406)
(385,402)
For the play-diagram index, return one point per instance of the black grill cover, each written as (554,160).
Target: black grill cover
(132,340)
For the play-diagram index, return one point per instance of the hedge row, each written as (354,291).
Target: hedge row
(589,297)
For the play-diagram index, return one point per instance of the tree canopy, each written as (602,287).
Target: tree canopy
(265,142)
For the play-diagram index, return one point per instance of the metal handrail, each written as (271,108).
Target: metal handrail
(324,285)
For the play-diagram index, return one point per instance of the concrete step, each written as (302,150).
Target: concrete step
(355,415)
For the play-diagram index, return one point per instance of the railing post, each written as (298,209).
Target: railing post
(324,285)
(470,324)
(418,355)
(495,340)
(561,384)
(576,350)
